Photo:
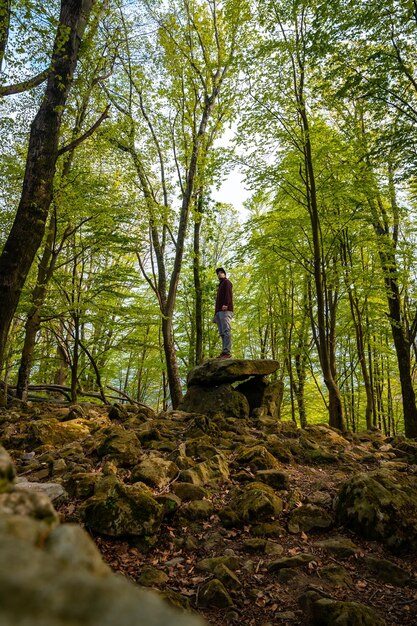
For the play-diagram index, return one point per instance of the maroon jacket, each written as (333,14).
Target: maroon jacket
(224,295)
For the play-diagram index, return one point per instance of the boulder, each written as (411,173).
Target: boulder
(33,504)
(308,517)
(257,502)
(387,571)
(339,547)
(217,372)
(212,471)
(381,505)
(54,491)
(189,491)
(214,400)
(122,510)
(51,431)
(119,444)
(336,575)
(48,587)
(327,612)
(214,594)
(7,471)
(256,458)
(300,560)
(155,471)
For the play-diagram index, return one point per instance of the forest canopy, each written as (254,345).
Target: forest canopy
(119,123)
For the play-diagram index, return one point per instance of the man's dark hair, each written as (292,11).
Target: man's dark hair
(220,269)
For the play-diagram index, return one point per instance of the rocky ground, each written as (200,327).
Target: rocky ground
(242,520)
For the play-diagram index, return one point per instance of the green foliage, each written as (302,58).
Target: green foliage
(120,192)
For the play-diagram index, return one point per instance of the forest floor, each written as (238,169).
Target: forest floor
(261,596)
(261,599)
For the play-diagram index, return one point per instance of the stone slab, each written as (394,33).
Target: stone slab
(220,371)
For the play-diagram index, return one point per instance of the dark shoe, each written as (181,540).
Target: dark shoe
(225,355)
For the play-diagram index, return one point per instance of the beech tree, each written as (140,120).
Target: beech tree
(28,228)
(196,65)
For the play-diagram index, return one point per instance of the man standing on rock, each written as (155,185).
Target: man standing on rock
(224,312)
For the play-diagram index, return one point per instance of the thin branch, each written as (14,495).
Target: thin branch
(26,85)
(88,133)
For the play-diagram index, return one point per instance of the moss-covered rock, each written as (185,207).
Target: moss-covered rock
(227,577)
(269,529)
(197,510)
(118,412)
(29,503)
(200,449)
(214,400)
(119,444)
(209,565)
(7,471)
(55,584)
(263,396)
(72,547)
(381,505)
(279,448)
(336,575)
(81,485)
(155,471)
(151,576)
(214,594)
(170,502)
(256,458)
(339,547)
(51,431)
(216,372)
(388,572)
(189,491)
(307,517)
(214,470)
(328,612)
(74,412)
(256,502)
(298,560)
(278,479)
(118,510)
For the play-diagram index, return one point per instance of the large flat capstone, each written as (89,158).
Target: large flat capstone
(220,371)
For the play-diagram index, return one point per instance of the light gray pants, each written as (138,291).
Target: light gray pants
(223,319)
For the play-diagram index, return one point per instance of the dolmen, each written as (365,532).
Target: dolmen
(233,388)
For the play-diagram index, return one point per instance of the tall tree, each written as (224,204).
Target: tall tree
(29,224)
(197,63)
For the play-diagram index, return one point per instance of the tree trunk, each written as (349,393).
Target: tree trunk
(400,333)
(402,348)
(29,225)
(33,322)
(171,362)
(336,417)
(75,359)
(197,284)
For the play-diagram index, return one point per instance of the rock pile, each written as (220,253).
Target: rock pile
(246,520)
(53,574)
